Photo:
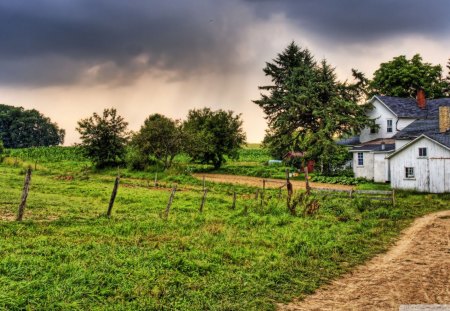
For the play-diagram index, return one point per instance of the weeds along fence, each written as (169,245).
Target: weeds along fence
(309,199)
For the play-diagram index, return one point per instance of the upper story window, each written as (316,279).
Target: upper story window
(360,159)
(389,127)
(423,152)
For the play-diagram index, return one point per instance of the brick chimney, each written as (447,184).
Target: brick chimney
(420,98)
(444,119)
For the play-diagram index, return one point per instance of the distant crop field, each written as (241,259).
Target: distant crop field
(67,255)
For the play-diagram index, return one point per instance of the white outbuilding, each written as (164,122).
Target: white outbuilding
(422,165)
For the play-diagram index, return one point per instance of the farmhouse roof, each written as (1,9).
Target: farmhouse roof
(408,108)
(442,139)
(293,154)
(417,128)
(351,141)
(376,145)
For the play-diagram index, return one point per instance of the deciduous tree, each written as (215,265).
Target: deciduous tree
(20,128)
(104,138)
(159,137)
(403,77)
(212,135)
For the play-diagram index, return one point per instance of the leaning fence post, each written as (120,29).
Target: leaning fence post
(233,206)
(351,193)
(113,196)
(203,200)
(204,183)
(169,204)
(23,201)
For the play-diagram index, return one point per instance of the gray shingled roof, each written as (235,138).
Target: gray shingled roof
(387,147)
(407,107)
(417,128)
(443,138)
(375,145)
(351,141)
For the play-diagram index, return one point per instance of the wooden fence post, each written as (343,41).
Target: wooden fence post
(203,200)
(204,183)
(23,201)
(308,188)
(263,191)
(113,196)
(233,206)
(393,197)
(169,204)
(256,194)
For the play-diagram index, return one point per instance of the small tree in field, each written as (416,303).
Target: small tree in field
(212,135)
(159,137)
(104,138)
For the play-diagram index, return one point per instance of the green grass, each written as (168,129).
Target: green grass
(67,255)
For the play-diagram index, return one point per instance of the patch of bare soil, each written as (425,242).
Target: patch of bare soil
(270,183)
(415,271)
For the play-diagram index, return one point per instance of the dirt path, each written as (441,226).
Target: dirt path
(272,183)
(415,271)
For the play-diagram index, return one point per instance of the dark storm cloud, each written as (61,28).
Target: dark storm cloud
(362,20)
(50,42)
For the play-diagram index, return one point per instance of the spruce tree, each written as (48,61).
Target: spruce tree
(306,107)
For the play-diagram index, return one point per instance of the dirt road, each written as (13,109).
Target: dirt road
(415,271)
(271,183)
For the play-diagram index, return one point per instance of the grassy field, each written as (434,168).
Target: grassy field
(67,255)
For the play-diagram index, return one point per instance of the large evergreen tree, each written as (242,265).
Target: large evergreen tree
(306,107)
(402,77)
(21,128)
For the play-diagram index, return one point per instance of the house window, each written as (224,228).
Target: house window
(360,158)
(409,172)
(423,152)
(389,126)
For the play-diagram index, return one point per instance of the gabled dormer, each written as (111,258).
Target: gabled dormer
(392,114)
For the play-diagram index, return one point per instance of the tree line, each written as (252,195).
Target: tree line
(207,136)
(306,108)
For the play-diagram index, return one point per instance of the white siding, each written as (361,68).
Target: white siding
(401,142)
(381,114)
(366,170)
(380,167)
(431,174)
(403,122)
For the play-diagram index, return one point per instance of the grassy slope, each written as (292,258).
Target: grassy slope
(66,255)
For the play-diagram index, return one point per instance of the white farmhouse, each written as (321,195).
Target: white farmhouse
(410,147)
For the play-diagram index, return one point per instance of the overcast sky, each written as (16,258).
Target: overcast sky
(69,58)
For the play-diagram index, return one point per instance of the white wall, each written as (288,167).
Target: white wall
(381,114)
(380,167)
(429,174)
(366,170)
(401,142)
(404,122)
